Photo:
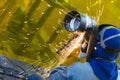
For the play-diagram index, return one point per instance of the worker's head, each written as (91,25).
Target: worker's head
(108,44)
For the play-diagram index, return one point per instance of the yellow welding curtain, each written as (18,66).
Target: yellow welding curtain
(32,30)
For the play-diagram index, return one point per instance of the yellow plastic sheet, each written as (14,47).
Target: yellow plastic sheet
(32,30)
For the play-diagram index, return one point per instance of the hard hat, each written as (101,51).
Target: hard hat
(109,38)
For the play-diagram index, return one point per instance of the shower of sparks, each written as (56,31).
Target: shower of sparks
(100,11)
(75,43)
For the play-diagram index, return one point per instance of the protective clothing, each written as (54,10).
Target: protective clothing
(100,65)
(34,77)
(103,61)
(77,71)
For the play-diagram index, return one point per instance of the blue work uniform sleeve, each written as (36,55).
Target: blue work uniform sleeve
(118,75)
(76,71)
(59,73)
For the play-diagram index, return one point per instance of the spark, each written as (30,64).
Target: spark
(75,43)
(25,22)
